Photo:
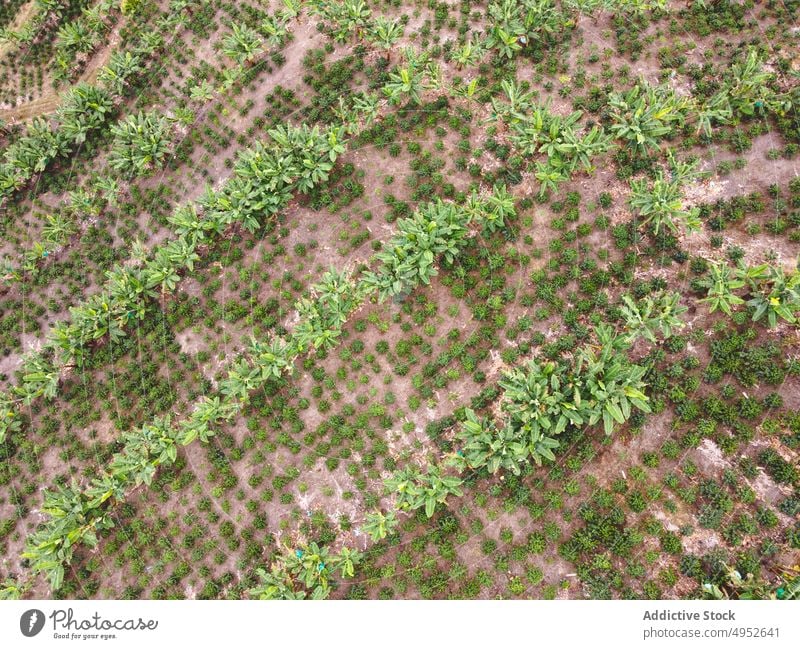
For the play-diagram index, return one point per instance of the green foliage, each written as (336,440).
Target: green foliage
(773,293)
(11,590)
(408,259)
(336,296)
(486,446)
(612,386)
(410,80)
(379,525)
(120,69)
(721,283)
(748,87)
(74,519)
(519,24)
(141,142)
(660,203)
(541,402)
(651,316)
(416,490)
(546,398)
(242,44)
(346,18)
(385,33)
(644,115)
(304,573)
(147,448)
(130,7)
(735,586)
(535,130)
(10,421)
(436,230)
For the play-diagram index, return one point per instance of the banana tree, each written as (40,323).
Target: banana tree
(354,16)
(33,256)
(84,109)
(141,142)
(130,290)
(721,283)
(275,585)
(379,525)
(209,412)
(72,522)
(68,339)
(120,69)
(10,421)
(433,489)
(130,7)
(243,44)
(406,81)
(486,445)
(612,386)
(636,7)
(542,20)
(242,379)
(661,204)
(97,16)
(416,489)
(469,53)
(12,178)
(187,223)
(202,91)
(507,43)
(518,108)
(145,449)
(551,174)
(645,114)
(243,201)
(321,318)
(84,204)
(748,85)
(716,110)
(311,565)
(345,18)
(541,400)
(651,316)
(274,358)
(181,252)
(162,272)
(345,562)
(104,488)
(11,589)
(496,208)
(276,29)
(385,33)
(305,572)
(358,112)
(97,318)
(35,150)
(75,36)
(775,296)
(403,484)
(507,30)
(435,230)
(108,189)
(39,378)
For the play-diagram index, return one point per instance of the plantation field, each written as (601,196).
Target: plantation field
(395,300)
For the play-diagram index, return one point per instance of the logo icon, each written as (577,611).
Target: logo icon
(31,622)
